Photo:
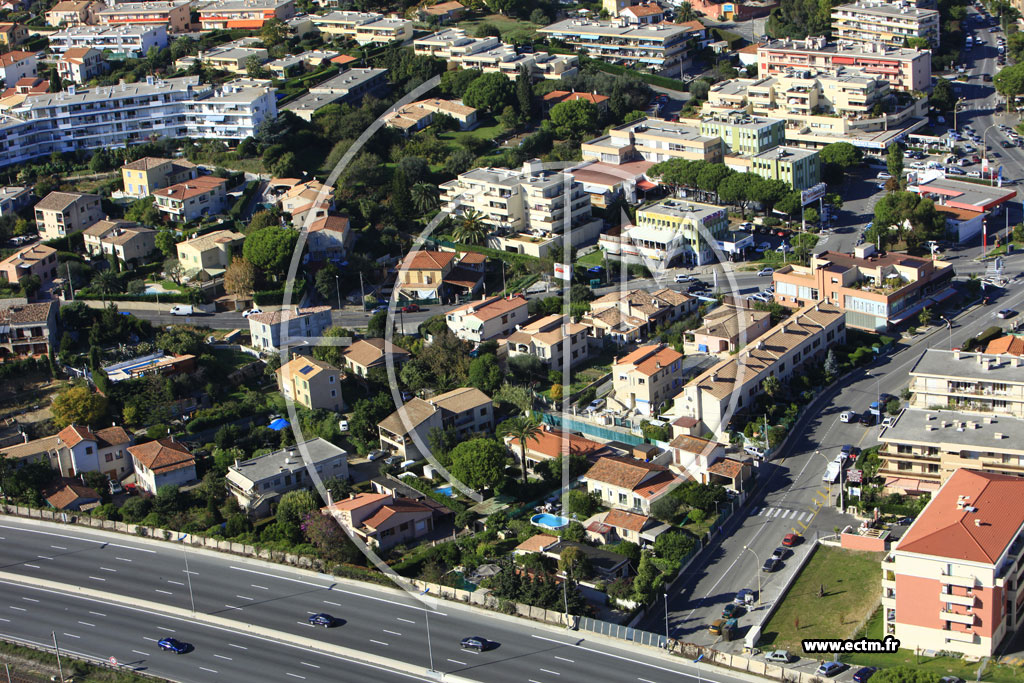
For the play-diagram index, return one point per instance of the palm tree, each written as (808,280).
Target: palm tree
(686,12)
(523,429)
(425,197)
(106,282)
(470,228)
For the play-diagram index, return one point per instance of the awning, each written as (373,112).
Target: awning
(645,185)
(911,485)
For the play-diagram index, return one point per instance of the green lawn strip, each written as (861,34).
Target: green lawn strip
(233,358)
(489,129)
(853,586)
(504,24)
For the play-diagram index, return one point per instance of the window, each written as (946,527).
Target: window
(622,498)
(109,457)
(483,412)
(88,450)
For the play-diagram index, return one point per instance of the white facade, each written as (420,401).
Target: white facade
(133,41)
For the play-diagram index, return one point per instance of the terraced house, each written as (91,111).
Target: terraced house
(248,14)
(174,15)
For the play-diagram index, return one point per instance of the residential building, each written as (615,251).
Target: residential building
(14,198)
(647,379)
(16,65)
(489,318)
(142,176)
(805,97)
(129,242)
(876,22)
(159,363)
(654,140)
(348,87)
(607,183)
(615,526)
(671,231)
(797,167)
(969,382)
(304,201)
(365,28)
(234,112)
(247,14)
(643,13)
(1009,344)
(258,483)
(329,238)
(445,12)
(12,35)
(25,88)
(626,316)
(727,329)
(173,15)
(210,253)
(904,68)
(967,205)
(876,290)
(735,383)
(694,455)
(744,134)
(38,259)
(418,115)
(953,581)
(81,64)
(311,383)
(551,443)
(69,494)
(439,275)
(291,327)
(233,57)
(72,13)
(558,96)
(28,330)
(42,450)
(627,483)
(365,355)
(490,55)
(660,48)
(186,201)
(466,410)
(81,449)
(606,565)
(548,339)
(122,40)
(65,213)
(383,521)
(163,462)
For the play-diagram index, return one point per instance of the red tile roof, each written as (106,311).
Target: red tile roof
(644,10)
(333,223)
(68,492)
(163,455)
(192,188)
(14,56)
(553,443)
(428,260)
(727,467)
(624,473)
(536,544)
(647,358)
(356,502)
(398,507)
(1010,344)
(72,435)
(626,520)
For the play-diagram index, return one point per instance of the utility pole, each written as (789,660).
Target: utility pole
(362,292)
(60,669)
(337,288)
(188,575)
(430,650)
(71,286)
(666,620)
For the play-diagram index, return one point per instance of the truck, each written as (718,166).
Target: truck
(181,309)
(831,475)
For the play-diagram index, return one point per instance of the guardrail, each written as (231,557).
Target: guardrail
(110,664)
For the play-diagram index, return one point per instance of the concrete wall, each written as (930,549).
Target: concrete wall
(858,542)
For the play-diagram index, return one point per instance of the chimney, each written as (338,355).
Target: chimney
(956,354)
(237,463)
(977,522)
(330,498)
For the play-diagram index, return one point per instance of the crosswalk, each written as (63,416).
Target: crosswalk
(782,513)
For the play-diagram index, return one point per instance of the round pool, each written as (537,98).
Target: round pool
(549,521)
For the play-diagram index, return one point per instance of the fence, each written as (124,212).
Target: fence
(607,433)
(633,635)
(70,658)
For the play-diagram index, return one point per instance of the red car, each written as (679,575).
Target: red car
(790,540)
(410,308)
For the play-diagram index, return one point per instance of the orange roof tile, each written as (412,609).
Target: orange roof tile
(356,502)
(647,358)
(163,455)
(536,544)
(727,467)
(72,435)
(626,520)
(398,507)
(428,260)
(553,443)
(624,473)
(1010,344)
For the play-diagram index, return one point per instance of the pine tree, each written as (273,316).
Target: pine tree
(401,198)
(524,95)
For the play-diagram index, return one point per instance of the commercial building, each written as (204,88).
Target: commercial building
(164,462)
(877,22)
(969,382)
(173,15)
(129,242)
(606,182)
(797,167)
(142,176)
(967,206)
(953,582)
(16,65)
(466,410)
(489,318)
(288,327)
(65,213)
(875,290)
(81,64)
(186,201)
(675,230)
(347,87)
(646,380)
(258,483)
(489,54)
(211,252)
(734,384)
(546,340)
(122,40)
(654,140)
(365,28)
(248,14)
(311,383)
(38,259)
(28,330)
(658,48)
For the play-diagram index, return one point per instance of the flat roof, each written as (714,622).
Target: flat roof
(661,31)
(847,48)
(274,464)
(919,426)
(783,152)
(680,208)
(676,129)
(742,121)
(970,366)
(963,195)
(888,9)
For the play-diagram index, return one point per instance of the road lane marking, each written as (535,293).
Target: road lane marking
(378,642)
(644,680)
(164,628)
(262,588)
(223,657)
(231,606)
(549,671)
(408,621)
(98,614)
(123,559)
(614,656)
(86,623)
(58,547)
(315,666)
(97,578)
(240,647)
(394,633)
(571,661)
(108,569)
(30,599)
(6,621)
(20,609)
(243,597)
(34,566)
(71,635)
(140,652)
(152,640)
(455,661)
(328,602)
(176,583)
(77,538)
(295,675)
(164,592)
(213,671)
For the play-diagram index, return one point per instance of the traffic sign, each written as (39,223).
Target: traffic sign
(113,661)
(855,476)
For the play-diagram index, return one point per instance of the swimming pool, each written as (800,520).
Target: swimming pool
(156,288)
(445,490)
(549,521)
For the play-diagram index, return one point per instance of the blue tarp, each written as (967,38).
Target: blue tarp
(278,424)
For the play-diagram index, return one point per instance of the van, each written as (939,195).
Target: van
(831,475)
(181,309)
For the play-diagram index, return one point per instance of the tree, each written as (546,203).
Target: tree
(262,219)
(30,284)
(515,395)
(254,67)
(326,282)
(377,325)
(485,374)
(842,154)
(1009,81)
(894,161)
(771,386)
(524,94)
(523,429)
(831,365)
(582,504)
(240,277)
(538,17)
(286,165)
(906,215)
(699,89)
(332,353)
(479,463)
(273,32)
(78,405)
(925,317)
(790,204)
(324,533)
(573,564)
(106,282)
(905,674)
(459,161)
(270,249)
(401,199)
(673,545)
(425,197)
(490,91)
(574,119)
(665,508)
(942,96)
(366,414)
(165,243)
(510,119)
(174,271)
(292,510)
(470,228)
(454,83)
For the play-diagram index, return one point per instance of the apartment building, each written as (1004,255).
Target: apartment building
(128,242)
(626,316)
(14,198)
(311,383)
(884,23)
(38,259)
(654,140)
(65,213)
(489,318)
(173,15)
(348,87)
(875,290)
(234,112)
(247,14)
(16,65)
(658,48)
(628,484)
(418,115)
(953,582)
(291,327)
(745,134)
(258,483)
(81,64)
(81,449)
(28,330)
(186,201)
(547,339)
(969,382)
(905,69)
(646,380)
(489,54)
(466,410)
(72,13)
(211,252)
(365,28)
(142,176)
(233,57)
(122,40)
(797,167)
(672,231)
(164,462)
(726,329)
(806,97)
(735,383)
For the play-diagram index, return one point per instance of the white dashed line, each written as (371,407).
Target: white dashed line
(152,640)
(644,680)
(394,633)
(232,606)
(315,666)
(164,592)
(240,647)
(408,621)
(244,597)
(223,657)
(378,642)
(98,614)
(328,602)
(123,559)
(571,661)
(6,621)
(164,628)
(72,635)
(295,675)
(213,671)
(20,609)
(549,671)
(108,569)
(58,547)
(262,588)
(43,557)
(34,566)
(97,578)
(140,652)
(86,623)
(30,599)
(176,583)
(455,661)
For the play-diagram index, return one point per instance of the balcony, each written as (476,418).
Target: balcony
(959,636)
(954,580)
(965,600)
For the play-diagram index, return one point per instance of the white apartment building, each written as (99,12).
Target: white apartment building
(660,48)
(364,27)
(969,382)
(489,54)
(293,327)
(126,114)
(127,40)
(654,140)
(884,23)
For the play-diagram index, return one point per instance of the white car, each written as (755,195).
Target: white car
(343,425)
(251,311)
(882,175)
(766,271)
(888,421)
(974,174)
(683,277)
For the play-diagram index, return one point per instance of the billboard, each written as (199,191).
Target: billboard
(811,193)
(563,271)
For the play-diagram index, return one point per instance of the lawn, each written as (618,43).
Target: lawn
(233,358)
(489,129)
(594,258)
(853,587)
(505,24)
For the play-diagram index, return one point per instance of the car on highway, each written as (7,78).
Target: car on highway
(475,643)
(790,540)
(181,309)
(744,596)
(321,619)
(731,610)
(1006,313)
(696,288)
(779,657)
(766,271)
(251,311)
(172,645)
(380,309)
(830,669)
(864,673)
(770,565)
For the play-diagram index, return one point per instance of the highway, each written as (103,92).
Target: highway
(376,620)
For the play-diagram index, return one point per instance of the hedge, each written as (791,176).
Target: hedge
(73,242)
(247,193)
(151,298)
(649,79)
(275,297)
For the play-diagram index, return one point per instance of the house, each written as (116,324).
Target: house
(81,449)
(12,35)
(38,259)
(33,86)
(383,521)
(606,565)
(618,525)
(489,318)
(626,316)
(164,462)
(311,383)
(258,483)
(64,213)
(952,582)
(16,65)
(81,64)
(551,443)
(14,198)
(310,200)
(129,242)
(1009,344)
(445,12)
(694,454)
(728,328)
(69,494)
(72,13)
(535,544)
(558,96)
(437,275)
(159,363)
(210,253)
(292,327)
(28,329)
(192,199)
(44,450)
(366,354)
(142,176)
(643,13)
(329,238)
(646,380)
(627,483)
(416,116)
(547,339)
(730,473)
(405,432)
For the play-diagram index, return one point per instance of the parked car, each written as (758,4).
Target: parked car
(394,459)
(779,657)
(343,425)
(731,610)
(595,405)
(849,452)
(251,311)
(172,645)
(830,669)
(864,673)
(181,309)
(321,619)
(683,277)
(766,271)
(475,643)
(744,596)
(410,308)
(721,627)
(780,553)
(868,418)
(790,540)
(770,565)
(376,454)
(379,309)
(115,487)
(888,421)
(882,175)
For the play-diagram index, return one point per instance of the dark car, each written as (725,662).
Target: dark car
(864,673)
(731,611)
(770,565)
(790,540)
(475,643)
(851,452)
(780,553)
(697,287)
(322,619)
(173,645)
(830,669)
(868,418)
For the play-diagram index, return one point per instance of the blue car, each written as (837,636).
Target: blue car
(322,619)
(173,645)
(864,673)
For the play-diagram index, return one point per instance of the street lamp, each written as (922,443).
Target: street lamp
(666,619)
(984,144)
(949,326)
(188,574)
(758,560)
(697,662)
(956,108)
